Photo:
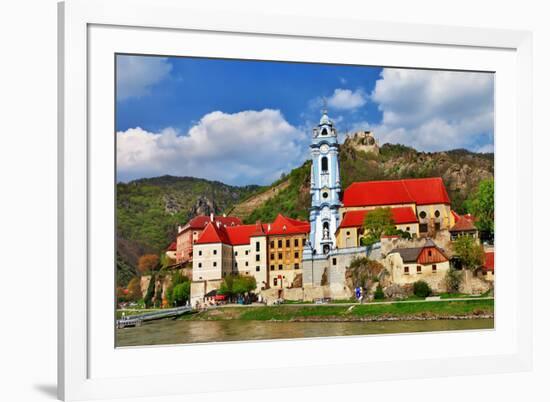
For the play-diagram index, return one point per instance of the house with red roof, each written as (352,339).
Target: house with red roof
(189,234)
(270,252)
(464,225)
(171,251)
(426,198)
(426,262)
(287,238)
(351,227)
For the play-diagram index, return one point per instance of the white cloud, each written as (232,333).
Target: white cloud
(137,74)
(435,110)
(249,147)
(346,99)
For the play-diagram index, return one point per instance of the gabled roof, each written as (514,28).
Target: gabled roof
(392,192)
(412,254)
(213,234)
(172,246)
(239,235)
(287,226)
(400,215)
(200,222)
(464,223)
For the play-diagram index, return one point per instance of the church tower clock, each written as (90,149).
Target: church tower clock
(325,187)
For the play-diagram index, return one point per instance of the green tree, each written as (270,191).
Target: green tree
(468,250)
(244,284)
(181,293)
(378,222)
(177,279)
(481,204)
(237,285)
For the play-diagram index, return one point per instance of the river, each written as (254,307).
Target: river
(169,331)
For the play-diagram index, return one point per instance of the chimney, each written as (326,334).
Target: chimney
(224,215)
(211,217)
(218,224)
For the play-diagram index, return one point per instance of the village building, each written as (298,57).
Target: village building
(297,260)
(464,226)
(429,263)
(190,233)
(427,198)
(287,238)
(351,228)
(223,250)
(171,251)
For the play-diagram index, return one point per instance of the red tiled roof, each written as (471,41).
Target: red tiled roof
(391,192)
(213,234)
(287,226)
(400,215)
(199,222)
(240,234)
(489,264)
(172,246)
(464,223)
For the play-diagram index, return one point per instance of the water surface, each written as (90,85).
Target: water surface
(169,331)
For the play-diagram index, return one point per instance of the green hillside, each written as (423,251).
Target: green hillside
(149,210)
(461,171)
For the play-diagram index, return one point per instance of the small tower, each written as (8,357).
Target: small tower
(325,187)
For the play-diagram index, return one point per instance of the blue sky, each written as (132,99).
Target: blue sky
(246,122)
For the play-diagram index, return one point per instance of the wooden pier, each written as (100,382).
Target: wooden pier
(138,319)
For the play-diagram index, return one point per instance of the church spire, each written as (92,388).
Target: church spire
(324,118)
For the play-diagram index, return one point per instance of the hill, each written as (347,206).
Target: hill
(460,169)
(150,210)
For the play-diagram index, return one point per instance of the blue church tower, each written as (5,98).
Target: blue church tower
(325,189)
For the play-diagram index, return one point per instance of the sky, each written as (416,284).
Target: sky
(247,122)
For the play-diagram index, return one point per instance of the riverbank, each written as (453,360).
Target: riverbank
(406,311)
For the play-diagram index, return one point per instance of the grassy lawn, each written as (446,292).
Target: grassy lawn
(345,313)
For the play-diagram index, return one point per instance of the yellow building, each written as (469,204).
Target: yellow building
(286,240)
(427,198)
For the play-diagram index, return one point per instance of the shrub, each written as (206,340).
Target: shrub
(422,289)
(378,293)
(453,279)
(181,293)
(134,289)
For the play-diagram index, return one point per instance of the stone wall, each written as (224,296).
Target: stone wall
(473,284)
(442,240)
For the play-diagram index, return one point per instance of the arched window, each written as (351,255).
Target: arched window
(324,164)
(324,131)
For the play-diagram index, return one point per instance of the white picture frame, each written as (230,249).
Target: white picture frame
(91,31)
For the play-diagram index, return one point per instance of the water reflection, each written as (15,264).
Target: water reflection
(168,331)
